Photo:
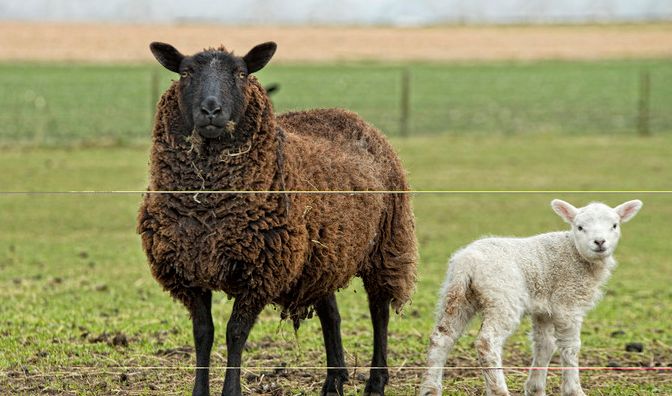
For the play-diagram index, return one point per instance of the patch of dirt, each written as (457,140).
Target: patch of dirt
(119,43)
(118,339)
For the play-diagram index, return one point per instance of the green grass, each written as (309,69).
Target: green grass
(72,273)
(60,104)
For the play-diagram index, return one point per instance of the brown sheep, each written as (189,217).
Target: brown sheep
(215,131)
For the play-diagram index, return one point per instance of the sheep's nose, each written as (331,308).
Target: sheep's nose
(599,242)
(210,107)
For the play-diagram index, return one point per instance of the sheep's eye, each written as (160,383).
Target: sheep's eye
(241,75)
(580,228)
(184,74)
(615,225)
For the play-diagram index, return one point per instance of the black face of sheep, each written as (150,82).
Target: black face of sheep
(211,85)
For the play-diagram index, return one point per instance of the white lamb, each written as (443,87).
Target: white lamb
(555,277)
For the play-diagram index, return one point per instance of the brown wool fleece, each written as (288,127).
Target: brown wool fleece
(285,249)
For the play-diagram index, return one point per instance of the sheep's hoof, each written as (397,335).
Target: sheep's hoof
(333,386)
(375,386)
(200,390)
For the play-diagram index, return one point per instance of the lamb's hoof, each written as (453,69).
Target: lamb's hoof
(533,391)
(574,393)
(430,392)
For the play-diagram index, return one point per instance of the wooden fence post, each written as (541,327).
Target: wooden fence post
(405,101)
(153,95)
(643,125)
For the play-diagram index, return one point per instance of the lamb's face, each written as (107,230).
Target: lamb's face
(596,228)
(212,85)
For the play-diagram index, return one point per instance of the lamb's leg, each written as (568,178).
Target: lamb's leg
(204,331)
(544,345)
(240,323)
(456,312)
(380,316)
(337,374)
(568,334)
(498,324)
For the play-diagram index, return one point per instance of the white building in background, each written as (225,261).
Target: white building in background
(338,12)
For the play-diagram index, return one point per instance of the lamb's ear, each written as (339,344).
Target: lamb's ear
(259,56)
(628,210)
(564,210)
(167,56)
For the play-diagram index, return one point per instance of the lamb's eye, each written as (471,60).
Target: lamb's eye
(615,225)
(184,74)
(580,228)
(241,75)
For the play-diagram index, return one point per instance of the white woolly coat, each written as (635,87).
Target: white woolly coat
(541,274)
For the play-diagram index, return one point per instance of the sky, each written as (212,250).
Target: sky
(337,12)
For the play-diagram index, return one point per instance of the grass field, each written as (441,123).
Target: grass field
(58,104)
(72,274)
(80,313)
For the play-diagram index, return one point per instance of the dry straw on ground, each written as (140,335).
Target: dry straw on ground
(128,43)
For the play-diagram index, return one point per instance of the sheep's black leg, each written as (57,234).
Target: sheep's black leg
(204,332)
(380,316)
(337,374)
(240,323)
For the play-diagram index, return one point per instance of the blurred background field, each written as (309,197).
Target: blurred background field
(581,108)
(72,103)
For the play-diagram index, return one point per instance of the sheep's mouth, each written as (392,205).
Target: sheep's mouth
(599,250)
(215,130)
(210,131)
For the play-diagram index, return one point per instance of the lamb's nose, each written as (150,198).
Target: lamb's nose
(210,107)
(599,242)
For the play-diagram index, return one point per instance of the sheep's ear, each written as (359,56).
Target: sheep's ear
(167,56)
(628,210)
(564,210)
(259,56)
(272,88)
